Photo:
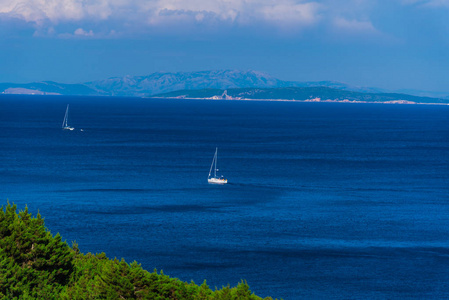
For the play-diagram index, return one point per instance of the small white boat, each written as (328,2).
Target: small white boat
(65,126)
(215,179)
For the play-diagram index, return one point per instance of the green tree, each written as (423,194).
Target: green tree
(33,263)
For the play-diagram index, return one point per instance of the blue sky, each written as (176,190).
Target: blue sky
(393,44)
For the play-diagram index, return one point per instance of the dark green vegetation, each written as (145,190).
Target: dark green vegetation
(302,93)
(36,265)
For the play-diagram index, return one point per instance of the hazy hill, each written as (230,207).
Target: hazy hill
(161,83)
(157,83)
(47,87)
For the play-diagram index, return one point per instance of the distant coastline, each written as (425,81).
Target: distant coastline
(226,84)
(245,99)
(307,101)
(303,94)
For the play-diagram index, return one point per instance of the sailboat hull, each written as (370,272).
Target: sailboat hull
(68,128)
(217,180)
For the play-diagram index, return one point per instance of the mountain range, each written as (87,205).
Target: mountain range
(162,83)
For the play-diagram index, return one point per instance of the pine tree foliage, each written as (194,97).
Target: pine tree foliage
(34,264)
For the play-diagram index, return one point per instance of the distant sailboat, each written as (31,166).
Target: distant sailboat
(215,179)
(65,126)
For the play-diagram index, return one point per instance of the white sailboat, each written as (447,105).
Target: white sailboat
(215,179)
(65,126)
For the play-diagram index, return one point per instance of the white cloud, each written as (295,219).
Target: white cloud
(125,16)
(220,9)
(243,12)
(82,32)
(291,13)
(354,26)
(41,10)
(56,11)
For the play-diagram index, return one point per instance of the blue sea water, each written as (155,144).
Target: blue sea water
(325,200)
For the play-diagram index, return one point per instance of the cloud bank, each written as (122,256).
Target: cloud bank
(126,15)
(159,10)
(101,18)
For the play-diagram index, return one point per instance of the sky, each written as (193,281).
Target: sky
(391,44)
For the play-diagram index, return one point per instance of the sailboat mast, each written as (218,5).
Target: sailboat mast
(64,123)
(216,158)
(67,116)
(211,166)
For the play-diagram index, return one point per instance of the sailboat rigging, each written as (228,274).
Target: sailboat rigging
(214,179)
(65,126)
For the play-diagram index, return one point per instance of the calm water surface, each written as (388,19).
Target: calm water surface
(324,200)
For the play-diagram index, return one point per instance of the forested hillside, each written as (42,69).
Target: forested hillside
(34,264)
(320,93)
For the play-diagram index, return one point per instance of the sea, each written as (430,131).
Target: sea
(323,201)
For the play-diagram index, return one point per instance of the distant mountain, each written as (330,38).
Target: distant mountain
(157,83)
(47,88)
(317,94)
(161,83)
